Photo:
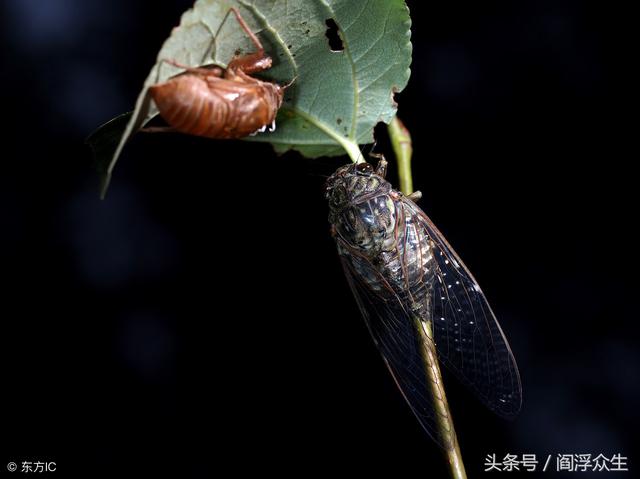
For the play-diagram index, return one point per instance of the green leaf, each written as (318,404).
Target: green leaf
(103,142)
(337,97)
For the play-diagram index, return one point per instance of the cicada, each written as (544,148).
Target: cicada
(220,103)
(417,297)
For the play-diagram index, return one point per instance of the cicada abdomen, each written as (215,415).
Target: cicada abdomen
(418,298)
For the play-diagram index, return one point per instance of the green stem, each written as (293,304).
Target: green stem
(401,142)
(443,417)
(349,145)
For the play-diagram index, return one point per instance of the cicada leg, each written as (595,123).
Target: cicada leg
(381,168)
(252,62)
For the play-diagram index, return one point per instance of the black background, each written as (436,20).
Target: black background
(197,320)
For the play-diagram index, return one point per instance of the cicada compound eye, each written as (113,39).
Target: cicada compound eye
(364,168)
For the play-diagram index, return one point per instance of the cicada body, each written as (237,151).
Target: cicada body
(407,279)
(221,103)
(203,104)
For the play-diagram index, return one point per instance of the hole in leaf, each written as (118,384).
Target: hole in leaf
(335,42)
(394,96)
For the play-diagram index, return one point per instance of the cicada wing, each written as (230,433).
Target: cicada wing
(393,332)
(468,338)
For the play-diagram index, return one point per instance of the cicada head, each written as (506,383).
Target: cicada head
(360,207)
(351,184)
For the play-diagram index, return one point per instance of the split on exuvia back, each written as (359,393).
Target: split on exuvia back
(406,276)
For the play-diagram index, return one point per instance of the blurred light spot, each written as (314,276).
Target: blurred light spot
(86,96)
(146,345)
(45,23)
(115,241)
(450,72)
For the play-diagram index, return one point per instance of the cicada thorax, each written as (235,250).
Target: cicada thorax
(221,103)
(379,233)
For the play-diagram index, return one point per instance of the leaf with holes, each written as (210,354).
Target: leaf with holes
(348,58)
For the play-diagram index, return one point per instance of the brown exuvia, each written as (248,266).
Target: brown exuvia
(220,103)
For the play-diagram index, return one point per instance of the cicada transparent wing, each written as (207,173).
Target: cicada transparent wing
(467,337)
(393,333)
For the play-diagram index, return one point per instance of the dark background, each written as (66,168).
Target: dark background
(197,320)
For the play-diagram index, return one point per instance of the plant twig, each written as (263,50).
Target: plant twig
(402,147)
(401,142)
